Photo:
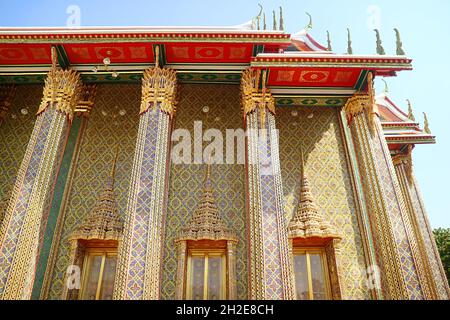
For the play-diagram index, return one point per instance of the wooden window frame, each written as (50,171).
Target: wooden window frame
(307,251)
(206,253)
(104,252)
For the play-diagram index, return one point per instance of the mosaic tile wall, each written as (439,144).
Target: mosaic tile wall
(15,132)
(114,120)
(326,167)
(185,186)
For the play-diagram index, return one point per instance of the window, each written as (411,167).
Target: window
(206,275)
(98,274)
(311,274)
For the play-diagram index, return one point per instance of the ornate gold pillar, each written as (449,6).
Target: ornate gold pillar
(414,204)
(398,257)
(139,265)
(30,199)
(270,271)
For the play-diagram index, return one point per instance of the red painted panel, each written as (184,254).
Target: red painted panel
(208,52)
(94,53)
(313,77)
(25,54)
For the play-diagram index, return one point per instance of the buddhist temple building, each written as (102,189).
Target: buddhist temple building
(145,163)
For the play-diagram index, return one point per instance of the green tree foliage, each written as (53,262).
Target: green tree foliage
(442,237)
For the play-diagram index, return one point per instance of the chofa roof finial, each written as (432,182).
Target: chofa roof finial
(349,42)
(410,111)
(426,124)
(386,87)
(329,42)
(310,24)
(281,19)
(399,44)
(274,27)
(380,49)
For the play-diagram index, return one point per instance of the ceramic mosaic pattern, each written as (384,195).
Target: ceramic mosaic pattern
(106,129)
(15,132)
(272,249)
(419,211)
(398,225)
(326,167)
(19,247)
(146,203)
(185,184)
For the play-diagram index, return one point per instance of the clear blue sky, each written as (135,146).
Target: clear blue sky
(424,26)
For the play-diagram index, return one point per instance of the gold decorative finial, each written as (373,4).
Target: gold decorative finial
(380,49)
(399,44)
(410,111)
(264,21)
(349,42)
(328,41)
(426,124)
(274,20)
(157,56)
(54,55)
(386,88)
(310,24)
(281,19)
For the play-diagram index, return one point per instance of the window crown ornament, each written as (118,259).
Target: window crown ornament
(206,223)
(308,222)
(104,221)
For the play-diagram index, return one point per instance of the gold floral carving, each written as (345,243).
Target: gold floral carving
(253,97)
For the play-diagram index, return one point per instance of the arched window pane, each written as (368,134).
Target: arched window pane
(198,275)
(301,277)
(109,273)
(215,278)
(93,274)
(317,277)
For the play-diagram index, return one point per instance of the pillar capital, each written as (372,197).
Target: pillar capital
(255,94)
(404,158)
(159,87)
(61,91)
(362,103)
